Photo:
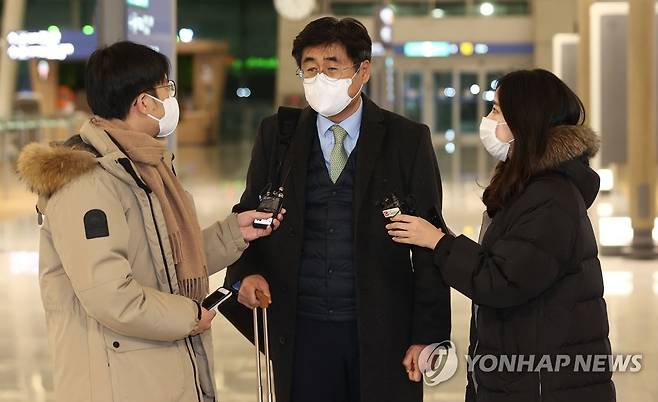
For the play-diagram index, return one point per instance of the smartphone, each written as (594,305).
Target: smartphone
(216,298)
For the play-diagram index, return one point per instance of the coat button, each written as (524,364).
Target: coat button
(291,232)
(332,230)
(116,344)
(282,340)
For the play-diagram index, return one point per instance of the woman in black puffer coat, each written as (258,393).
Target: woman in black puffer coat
(534,278)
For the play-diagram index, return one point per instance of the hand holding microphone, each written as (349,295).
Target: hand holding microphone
(249,232)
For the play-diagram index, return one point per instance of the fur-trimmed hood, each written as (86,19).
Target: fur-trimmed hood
(568,152)
(47,168)
(566,143)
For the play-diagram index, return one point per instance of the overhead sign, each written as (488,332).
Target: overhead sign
(138,3)
(151,23)
(50,45)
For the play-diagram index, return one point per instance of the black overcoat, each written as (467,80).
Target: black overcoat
(400,300)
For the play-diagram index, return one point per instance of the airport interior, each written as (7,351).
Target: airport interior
(435,62)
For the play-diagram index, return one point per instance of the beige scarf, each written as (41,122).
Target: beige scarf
(185,237)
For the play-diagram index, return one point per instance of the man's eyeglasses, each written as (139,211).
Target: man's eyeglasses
(333,73)
(172,88)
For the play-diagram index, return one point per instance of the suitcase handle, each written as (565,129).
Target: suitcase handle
(264,301)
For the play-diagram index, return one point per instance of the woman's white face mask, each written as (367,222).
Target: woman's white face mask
(497,148)
(329,97)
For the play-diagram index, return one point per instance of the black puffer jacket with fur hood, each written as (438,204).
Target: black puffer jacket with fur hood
(536,284)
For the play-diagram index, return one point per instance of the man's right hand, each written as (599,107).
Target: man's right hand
(205,322)
(248,288)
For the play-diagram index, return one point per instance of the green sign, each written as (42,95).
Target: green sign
(256,63)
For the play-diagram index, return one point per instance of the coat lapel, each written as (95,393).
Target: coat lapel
(301,145)
(371,139)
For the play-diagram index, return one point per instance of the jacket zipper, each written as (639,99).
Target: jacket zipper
(486,224)
(125,163)
(475,350)
(171,290)
(541,318)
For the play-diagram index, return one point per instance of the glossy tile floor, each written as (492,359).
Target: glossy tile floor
(216,179)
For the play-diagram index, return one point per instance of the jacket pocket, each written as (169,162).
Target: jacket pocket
(143,370)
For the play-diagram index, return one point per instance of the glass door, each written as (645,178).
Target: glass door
(451,100)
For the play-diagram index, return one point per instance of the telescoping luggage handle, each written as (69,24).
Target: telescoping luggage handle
(264,303)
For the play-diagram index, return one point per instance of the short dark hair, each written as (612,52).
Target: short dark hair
(329,30)
(533,103)
(117,74)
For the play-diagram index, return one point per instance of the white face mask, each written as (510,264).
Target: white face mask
(169,121)
(326,96)
(497,148)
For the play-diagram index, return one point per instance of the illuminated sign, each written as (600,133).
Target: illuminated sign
(256,63)
(448,49)
(430,49)
(48,45)
(151,23)
(140,24)
(138,3)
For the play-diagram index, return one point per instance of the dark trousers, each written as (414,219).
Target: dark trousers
(326,362)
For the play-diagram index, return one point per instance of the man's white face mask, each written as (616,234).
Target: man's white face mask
(329,96)
(169,121)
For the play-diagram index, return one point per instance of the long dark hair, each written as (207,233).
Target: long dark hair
(532,102)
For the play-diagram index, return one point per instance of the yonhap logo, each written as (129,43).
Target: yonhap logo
(438,362)
(555,363)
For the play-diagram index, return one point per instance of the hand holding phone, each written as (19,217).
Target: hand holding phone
(216,298)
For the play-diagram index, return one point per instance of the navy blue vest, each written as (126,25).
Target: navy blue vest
(327,271)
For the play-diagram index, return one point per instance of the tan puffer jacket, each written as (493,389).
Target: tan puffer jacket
(117,326)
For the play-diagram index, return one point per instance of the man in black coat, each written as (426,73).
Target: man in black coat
(349,306)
